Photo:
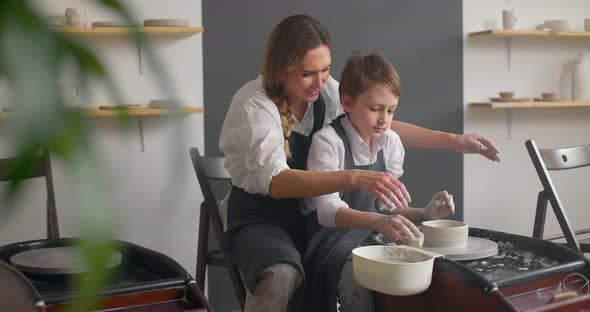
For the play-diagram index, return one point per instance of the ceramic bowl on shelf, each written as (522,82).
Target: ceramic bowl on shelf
(557,25)
(548,97)
(506,94)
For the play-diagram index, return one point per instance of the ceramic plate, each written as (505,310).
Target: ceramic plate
(164,103)
(112,24)
(511,99)
(127,106)
(166,22)
(476,248)
(546,100)
(56,260)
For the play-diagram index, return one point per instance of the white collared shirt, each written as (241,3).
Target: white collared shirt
(252,138)
(327,154)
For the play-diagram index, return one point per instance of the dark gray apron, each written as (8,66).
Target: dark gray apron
(262,230)
(329,248)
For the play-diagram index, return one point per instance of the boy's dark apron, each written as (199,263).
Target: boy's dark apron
(329,248)
(277,225)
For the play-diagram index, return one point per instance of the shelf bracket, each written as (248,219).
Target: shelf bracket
(141,124)
(508,45)
(139,46)
(509,123)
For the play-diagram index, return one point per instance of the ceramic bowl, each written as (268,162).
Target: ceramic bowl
(506,94)
(445,233)
(557,25)
(551,96)
(393,270)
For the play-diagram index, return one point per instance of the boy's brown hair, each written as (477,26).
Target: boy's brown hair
(364,70)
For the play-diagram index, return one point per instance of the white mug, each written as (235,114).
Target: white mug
(509,19)
(69,95)
(76,17)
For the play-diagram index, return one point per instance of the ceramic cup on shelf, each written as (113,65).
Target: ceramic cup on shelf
(69,95)
(76,17)
(509,19)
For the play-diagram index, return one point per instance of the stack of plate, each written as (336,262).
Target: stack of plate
(172,22)
(113,24)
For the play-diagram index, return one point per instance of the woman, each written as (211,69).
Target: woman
(266,137)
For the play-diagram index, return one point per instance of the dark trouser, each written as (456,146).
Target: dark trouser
(254,249)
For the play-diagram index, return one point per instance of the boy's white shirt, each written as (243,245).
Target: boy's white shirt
(327,154)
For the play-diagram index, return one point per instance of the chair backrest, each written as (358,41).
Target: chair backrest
(544,161)
(15,169)
(210,168)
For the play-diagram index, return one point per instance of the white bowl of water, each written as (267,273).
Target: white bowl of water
(393,270)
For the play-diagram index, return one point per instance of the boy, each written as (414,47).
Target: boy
(337,223)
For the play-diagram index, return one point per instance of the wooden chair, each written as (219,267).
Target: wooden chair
(39,166)
(209,169)
(557,159)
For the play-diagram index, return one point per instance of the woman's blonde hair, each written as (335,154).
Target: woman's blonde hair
(286,47)
(364,70)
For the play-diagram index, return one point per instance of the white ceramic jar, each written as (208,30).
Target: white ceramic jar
(581,78)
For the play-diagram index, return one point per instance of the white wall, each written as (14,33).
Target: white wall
(502,196)
(155,194)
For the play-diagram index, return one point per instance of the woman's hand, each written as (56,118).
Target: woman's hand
(395,227)
(441,205)
(476,144)
(383,185)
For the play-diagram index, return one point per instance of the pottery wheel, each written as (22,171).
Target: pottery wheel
(475,248)
(56,260)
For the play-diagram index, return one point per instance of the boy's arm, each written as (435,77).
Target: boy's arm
(441,205)
(413,214)
(324,156)
(418,137)
(395,227)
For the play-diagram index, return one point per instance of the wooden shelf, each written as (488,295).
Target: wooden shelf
(144,112)
(123,31)
(133,112)
(502,33)
(535,104)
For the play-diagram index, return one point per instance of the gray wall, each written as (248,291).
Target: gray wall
(423,39)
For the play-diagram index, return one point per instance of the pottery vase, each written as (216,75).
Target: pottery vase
(76,17)
(581,78)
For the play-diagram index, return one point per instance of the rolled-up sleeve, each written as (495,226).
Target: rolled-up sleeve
(253,143)
(395,153)
(324,155)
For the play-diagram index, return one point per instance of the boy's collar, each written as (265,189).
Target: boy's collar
(355,139)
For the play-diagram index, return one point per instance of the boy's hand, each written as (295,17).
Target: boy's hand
(383,185)
(474,143)
(441,205)
(396,227)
